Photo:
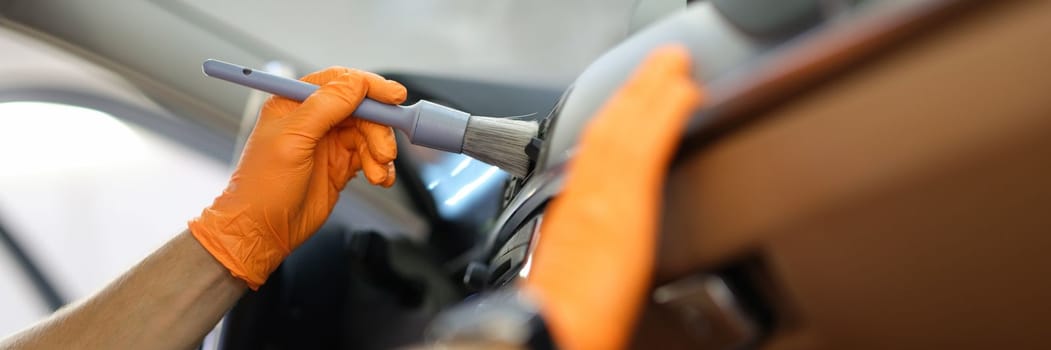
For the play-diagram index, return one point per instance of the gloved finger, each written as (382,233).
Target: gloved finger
(326,75)
(391,176)
(382,144)
(380,139)
(348,141)
(349,137)
(375,171)
(353,164)
(277,106)
(341,178)
(336,158)
(351,140)
(329,105)
(380,89)
(383,90)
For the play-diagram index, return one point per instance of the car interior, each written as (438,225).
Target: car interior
(865,174)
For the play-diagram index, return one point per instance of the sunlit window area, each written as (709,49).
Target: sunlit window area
(39,138)
(87,195)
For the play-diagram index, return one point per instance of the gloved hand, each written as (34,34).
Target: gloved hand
(295,163)
(594,259)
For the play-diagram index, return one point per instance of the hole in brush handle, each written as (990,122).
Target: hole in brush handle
(259,80)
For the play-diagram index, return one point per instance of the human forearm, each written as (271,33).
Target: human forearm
(294,165)
(169,301)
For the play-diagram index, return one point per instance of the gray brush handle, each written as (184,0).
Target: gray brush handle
(399,117)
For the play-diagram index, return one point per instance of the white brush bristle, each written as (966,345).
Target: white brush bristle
(500,142)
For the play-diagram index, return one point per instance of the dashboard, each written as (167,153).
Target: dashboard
(732,44)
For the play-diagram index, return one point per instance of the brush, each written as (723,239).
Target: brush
(501,142)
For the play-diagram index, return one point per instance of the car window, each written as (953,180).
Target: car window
(20,302)
(88,195)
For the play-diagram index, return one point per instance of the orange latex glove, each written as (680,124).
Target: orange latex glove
(594,259)
(295,163)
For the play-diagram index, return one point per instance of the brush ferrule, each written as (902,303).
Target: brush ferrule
(440,127)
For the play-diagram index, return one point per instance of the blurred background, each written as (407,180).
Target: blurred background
(111,138)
